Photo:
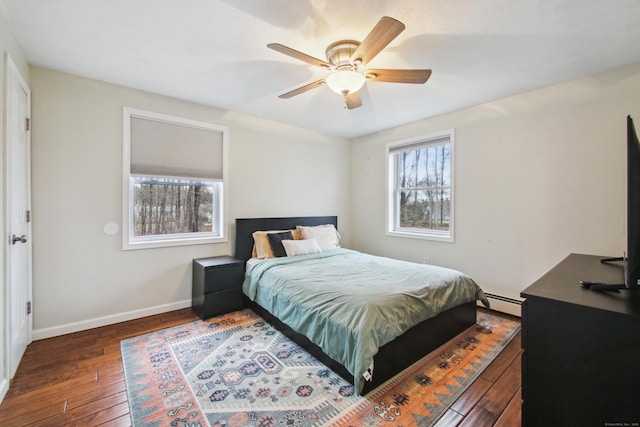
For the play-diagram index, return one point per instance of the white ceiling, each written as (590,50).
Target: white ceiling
(214,51)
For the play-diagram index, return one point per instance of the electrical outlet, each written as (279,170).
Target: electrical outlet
(427,260)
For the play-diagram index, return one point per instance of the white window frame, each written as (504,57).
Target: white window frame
(391,223)
(130,242)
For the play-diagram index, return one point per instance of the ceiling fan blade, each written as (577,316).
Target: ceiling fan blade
(382,34)
(302,89)
(399,76)
(299,55)
(353,100)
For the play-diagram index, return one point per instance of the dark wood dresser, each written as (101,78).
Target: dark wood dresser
(581,358)
(217,285)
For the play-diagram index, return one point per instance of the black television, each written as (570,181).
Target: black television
(631,260)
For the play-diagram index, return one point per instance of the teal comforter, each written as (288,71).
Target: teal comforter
(350,303)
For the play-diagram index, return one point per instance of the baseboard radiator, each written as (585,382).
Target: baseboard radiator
(505,304)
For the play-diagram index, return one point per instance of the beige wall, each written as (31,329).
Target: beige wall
(81,276)
(537,176)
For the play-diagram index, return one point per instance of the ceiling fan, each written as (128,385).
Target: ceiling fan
(346,59)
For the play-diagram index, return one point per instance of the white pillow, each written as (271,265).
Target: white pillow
(327,235)
(301,247)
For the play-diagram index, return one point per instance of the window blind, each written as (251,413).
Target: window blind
(419,144)
(177,150)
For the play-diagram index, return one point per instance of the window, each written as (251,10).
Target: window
(420,187)
(173,181)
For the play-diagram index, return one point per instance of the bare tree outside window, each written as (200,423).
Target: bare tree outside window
(172,206)
(424,188)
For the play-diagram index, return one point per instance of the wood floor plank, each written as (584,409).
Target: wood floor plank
(90,417)
(48,377)
(62,358)
(112,348)
(25,415)
(43,394)
(107,371)
(87,397)
(99,332)
(449,419)
(512,415)
(503,390)
(479,417)
(101,361)
(122,421)
(471,396)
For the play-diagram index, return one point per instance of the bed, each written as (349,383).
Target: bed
(283,291)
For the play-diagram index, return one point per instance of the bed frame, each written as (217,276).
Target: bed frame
(394,356)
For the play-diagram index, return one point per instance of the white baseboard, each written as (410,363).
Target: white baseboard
(39,334)
(505,304)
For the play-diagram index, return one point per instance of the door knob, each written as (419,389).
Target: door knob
(15,239)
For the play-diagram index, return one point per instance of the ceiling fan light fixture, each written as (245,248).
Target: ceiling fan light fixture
(345,82)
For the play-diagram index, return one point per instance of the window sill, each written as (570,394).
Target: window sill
(422,236)
(172,243)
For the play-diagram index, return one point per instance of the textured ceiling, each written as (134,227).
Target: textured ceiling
(214,51)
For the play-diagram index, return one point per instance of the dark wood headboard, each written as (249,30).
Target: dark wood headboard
(246,226)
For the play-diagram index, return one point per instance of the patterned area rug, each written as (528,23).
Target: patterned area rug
(236,370)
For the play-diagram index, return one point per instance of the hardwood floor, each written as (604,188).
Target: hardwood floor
(77,380)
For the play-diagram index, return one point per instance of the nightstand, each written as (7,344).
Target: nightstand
(217,285)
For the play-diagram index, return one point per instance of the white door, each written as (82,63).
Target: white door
(18,213)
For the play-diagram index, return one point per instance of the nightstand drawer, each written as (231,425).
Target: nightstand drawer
(220,303)
(222,278)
